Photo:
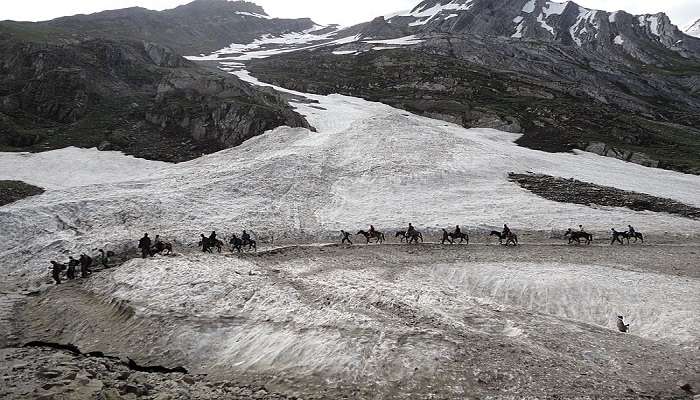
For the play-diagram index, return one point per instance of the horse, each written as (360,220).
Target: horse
(207,245)
(414,236)
(402,235)
(636,236)
(618,236)
(373,235)
(577,236)
(510,237)
(463,237)
(162,248)
(446,237)
(238,244)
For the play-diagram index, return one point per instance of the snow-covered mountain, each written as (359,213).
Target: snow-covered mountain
(693,29)
(546,20)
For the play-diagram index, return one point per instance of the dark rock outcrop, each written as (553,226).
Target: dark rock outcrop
(577,192)
(12,191)
(134,96)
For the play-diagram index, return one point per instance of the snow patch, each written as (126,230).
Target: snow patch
(518,29)
(72,167)
(651,22)
(530,6)
(585,19)
(619,40)
(248,14)
(402,41)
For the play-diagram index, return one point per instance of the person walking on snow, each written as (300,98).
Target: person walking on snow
(346,237)
(72,264)
(145,246)
(56,270)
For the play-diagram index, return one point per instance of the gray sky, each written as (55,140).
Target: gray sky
(682,12)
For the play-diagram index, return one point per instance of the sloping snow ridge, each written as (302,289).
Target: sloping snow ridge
(693,29)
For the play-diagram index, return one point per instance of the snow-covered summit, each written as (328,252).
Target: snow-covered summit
(693,29)
(565,22)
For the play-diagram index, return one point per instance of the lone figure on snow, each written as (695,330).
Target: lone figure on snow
(346,237)
(621,324)
(145,246)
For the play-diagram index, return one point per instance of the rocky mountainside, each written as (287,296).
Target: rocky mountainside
(198,27)
(134,96)
(693,29)
(615,84)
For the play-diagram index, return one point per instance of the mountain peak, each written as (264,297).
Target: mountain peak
(223,6)
(693,29)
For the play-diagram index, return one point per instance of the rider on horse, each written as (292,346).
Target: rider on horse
(631,230)
(506,231)
(245,237)
(410,229)
(458,232)
(372,231)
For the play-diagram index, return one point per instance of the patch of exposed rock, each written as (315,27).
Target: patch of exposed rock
(46,373)
(132,96)
(578,192)
(11,191)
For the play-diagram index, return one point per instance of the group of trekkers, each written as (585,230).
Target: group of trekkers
(208,244)
(506,236)
(85,262)
(150,248)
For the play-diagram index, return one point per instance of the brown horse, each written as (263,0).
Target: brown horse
(509,237)
(379,236)
(577,236)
